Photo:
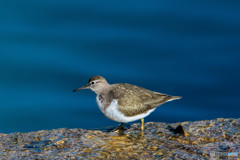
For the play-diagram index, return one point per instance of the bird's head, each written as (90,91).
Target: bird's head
(97,84)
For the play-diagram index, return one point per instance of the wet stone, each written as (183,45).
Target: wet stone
(208,139)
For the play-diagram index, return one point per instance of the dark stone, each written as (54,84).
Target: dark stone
(179,130)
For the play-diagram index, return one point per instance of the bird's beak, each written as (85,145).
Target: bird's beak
(83,87)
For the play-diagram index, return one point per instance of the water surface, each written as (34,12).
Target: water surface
(48,48)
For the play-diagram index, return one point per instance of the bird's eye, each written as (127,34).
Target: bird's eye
(92,82)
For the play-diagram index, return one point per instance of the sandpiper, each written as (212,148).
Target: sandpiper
(124,102)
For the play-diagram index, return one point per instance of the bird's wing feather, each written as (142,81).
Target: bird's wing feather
(133,100)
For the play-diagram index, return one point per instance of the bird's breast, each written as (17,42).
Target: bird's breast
(100,103)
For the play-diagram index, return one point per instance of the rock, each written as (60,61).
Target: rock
(209,139)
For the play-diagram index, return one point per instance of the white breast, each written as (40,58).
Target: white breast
(113,113)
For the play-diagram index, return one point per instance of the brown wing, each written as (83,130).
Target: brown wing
(135,100)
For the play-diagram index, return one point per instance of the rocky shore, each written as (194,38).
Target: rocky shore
(208,139)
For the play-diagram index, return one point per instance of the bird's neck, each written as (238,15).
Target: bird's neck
(104,90)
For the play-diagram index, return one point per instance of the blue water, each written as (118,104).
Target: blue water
(183,48)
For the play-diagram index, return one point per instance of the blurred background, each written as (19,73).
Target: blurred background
(182,48)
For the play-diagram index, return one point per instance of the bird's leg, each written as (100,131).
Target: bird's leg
(119,129)
(121,125)
(142,125)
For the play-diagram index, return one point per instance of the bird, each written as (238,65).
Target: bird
(123,102)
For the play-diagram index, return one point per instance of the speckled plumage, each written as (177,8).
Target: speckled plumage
(134,100)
